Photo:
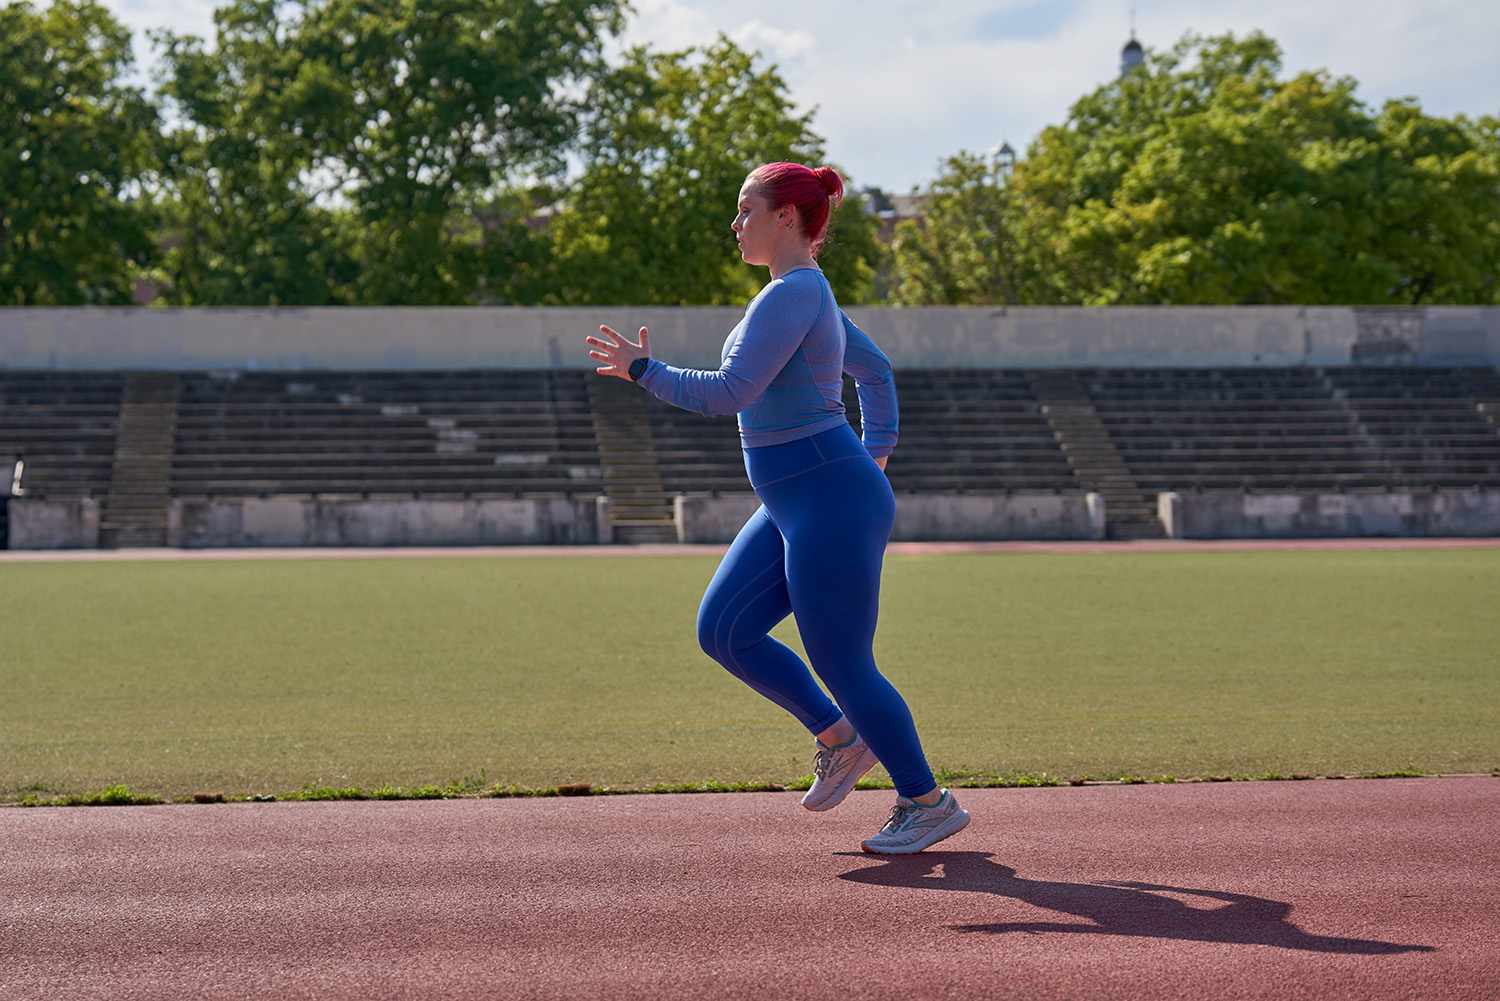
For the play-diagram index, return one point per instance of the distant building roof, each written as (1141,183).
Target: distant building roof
(909,206)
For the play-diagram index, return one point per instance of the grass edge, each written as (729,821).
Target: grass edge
(121,794)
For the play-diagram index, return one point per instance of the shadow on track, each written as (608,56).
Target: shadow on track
(1115,908)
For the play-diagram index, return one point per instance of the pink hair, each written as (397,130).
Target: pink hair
(812,192)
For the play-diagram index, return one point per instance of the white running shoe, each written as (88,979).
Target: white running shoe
(835,770)
(912,828)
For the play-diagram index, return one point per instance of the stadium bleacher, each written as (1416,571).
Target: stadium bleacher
(541,433)
(63,425)
(1427,423)
(526,433)
(973,431)
(1296,429)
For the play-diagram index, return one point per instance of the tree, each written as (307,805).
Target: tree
(961,252)
(240,225)
(1443,235)
(668,143)
(75,145)
(1204,178)
(392,115)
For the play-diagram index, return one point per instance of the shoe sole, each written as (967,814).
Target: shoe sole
(843,789)
(959,822)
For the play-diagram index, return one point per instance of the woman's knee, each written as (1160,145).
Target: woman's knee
(708,631)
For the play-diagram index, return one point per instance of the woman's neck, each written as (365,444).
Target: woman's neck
(790,260)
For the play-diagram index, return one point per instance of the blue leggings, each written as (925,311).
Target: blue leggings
(814,548)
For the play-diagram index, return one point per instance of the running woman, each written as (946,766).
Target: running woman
(814,547)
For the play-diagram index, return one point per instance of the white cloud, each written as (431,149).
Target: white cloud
(782,45)
(668,25)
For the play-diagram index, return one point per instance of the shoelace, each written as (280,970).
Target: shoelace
(822,761)
(900,814)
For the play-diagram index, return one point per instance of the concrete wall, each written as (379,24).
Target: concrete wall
(509,337)
(712,519)
(924,517)
(1230,515)
(308,521)
(55,523)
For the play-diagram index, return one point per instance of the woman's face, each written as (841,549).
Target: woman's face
(757,228)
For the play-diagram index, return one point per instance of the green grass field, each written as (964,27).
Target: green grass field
(264,677)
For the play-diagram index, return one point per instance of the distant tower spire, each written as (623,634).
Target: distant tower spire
(1132,56)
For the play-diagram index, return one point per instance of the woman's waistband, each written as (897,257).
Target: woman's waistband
(771,463)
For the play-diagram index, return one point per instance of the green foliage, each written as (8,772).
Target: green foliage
(326,152)
(961,253)
(668,144)
(329,149)
(240,226)
(75,143)
(1205,179)
(115,795)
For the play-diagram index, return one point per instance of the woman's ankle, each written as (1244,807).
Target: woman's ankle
(838,734)
(931,798)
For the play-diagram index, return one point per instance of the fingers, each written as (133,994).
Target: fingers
(616,340)
(613,350)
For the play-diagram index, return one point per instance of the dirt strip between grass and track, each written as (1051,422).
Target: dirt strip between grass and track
(1330,890)
(895,548)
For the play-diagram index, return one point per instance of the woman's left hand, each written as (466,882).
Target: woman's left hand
(619,353)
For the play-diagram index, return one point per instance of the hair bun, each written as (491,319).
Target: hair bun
(832,183)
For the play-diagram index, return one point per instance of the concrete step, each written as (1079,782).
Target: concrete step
(1134,530)
(644,534)
(642,496)
(144,535)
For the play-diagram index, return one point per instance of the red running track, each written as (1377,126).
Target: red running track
(1322,890)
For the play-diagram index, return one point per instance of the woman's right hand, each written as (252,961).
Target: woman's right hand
(619,353)
(882,461)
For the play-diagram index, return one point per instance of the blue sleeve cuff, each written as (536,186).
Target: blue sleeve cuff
(652,366)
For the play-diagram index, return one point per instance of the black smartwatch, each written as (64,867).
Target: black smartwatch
(638,368)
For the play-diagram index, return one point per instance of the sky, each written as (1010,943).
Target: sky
(896,86)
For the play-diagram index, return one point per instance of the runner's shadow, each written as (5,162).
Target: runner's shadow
(1113,908)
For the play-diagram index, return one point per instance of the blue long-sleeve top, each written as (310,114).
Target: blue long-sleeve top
(782,370)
